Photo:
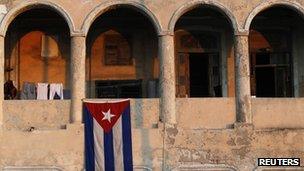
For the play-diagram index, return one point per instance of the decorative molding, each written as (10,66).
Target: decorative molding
(166,33)
(268,4)
(195,3)
(242,33)
(24,6)
(103,7)
(78,34)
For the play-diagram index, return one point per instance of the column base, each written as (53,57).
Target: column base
(241,125)
(75,126)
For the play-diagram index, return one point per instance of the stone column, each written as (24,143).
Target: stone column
(242,77)
(2,79)
(78,51)
(167,78)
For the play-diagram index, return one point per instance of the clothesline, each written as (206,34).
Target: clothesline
(42,91)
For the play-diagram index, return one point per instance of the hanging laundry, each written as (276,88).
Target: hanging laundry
(28,91)
(42,91)
(10,91)
(56,90)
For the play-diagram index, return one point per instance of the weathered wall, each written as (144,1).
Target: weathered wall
(206,114)
(277,113)
(238,148)
(54,142)
(189,145)
(55,114)
(24,114)
(64,148)
(61,148)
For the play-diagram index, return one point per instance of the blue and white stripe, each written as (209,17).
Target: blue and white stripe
(110,151)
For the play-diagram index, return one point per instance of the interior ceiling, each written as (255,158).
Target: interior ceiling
(124,18)
(39,18)
(203,16)
(39,13)
(278,13)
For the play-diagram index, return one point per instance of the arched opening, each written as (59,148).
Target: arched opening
(276,53)
(122,55)
(204,54)
(37,52)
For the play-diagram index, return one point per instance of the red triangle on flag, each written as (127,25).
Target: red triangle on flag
(107,114)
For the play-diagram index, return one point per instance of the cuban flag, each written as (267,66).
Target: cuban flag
(108,144)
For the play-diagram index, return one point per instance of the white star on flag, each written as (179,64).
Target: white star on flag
(107,115)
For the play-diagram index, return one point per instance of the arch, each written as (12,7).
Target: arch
(266,5)
(102,8)
(13,13)
(195,3)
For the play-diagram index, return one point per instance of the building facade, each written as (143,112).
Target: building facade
(214,84)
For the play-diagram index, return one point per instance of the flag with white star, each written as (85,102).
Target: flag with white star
(108,144)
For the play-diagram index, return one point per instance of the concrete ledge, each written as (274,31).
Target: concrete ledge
(263,168)
(205,167)
(32,168)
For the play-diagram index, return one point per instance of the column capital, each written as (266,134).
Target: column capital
(166,33)
(77,34)
(242,33)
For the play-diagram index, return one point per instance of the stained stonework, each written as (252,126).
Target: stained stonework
(242,65)
(167,78)
(78,77)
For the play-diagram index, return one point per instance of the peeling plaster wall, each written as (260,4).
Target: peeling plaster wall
(236,148)
(187,145)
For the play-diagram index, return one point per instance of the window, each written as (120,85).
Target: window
(117,50)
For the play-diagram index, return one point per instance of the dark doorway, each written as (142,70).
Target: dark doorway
(265,82)
(199,75)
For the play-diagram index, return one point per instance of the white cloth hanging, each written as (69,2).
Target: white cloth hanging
(56,89)
(42,91)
